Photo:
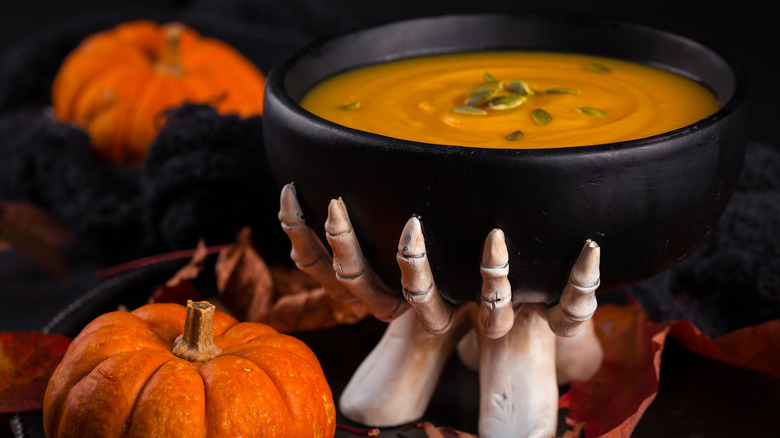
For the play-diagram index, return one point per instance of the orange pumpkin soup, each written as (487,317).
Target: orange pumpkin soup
(511,100)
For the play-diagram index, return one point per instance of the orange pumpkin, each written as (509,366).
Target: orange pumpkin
(116,83)
(130,374)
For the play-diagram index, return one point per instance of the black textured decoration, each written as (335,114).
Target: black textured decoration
(206,176)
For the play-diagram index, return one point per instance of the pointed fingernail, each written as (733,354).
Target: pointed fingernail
(495,254)
(412,242)
(585,272)
(337,222)
(289,209)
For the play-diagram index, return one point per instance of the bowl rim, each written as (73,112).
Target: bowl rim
(276,87)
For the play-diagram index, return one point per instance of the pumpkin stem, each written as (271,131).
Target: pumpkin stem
(196,344)
(168,62)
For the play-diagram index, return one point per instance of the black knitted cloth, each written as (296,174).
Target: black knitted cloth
(206,174)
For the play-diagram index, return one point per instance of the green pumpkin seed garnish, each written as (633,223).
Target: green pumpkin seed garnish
(516,135)
(470,110)
(351,106)
(541,116)
(494,86)
(593,112)
(561,90)
(519,87)
(488,77)
(596,67)
(480,98)
(506,102)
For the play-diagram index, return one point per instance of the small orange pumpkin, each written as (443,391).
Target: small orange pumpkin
(116,83)
(130,374)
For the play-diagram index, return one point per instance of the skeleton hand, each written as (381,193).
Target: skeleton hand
(516,341)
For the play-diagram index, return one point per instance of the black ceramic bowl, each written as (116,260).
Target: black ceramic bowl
(646,202)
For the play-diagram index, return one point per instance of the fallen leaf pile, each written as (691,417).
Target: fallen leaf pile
(251,290)
(610,404)
(283,297)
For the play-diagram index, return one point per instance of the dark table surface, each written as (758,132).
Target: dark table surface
(697,397)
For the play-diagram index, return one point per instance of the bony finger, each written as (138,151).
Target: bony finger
(496,315)
(433,313)
(308,252)
(352,268)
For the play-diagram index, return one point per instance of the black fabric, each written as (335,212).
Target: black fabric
(206,174)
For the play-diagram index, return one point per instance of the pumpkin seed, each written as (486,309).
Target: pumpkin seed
(488,77)
(480,98)
(516,135)
(541,116)
(470,110)
(596,67)
(519,87)
(561,90)
(351,106)
(593,112)
(506,102)
(493,86)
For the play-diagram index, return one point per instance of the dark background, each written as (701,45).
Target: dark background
(697,397)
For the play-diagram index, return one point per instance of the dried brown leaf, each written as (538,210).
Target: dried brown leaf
(34,220)
(282,297)
(244,282)
(34,233)
(179,288)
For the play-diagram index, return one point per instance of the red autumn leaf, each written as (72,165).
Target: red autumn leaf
(27,360)
(613,401)
(34,233)
(755,348)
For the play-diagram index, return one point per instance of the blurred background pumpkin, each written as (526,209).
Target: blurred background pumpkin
(117,83)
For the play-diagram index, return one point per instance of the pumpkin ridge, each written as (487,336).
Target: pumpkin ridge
(137,115)
(268,357)
(126,430)
(123,123)
(267,341)
(84,80)
(112,354)
(126,131)
(69,393)
(65,383)
(77,382)
(152,415)
(277,394)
